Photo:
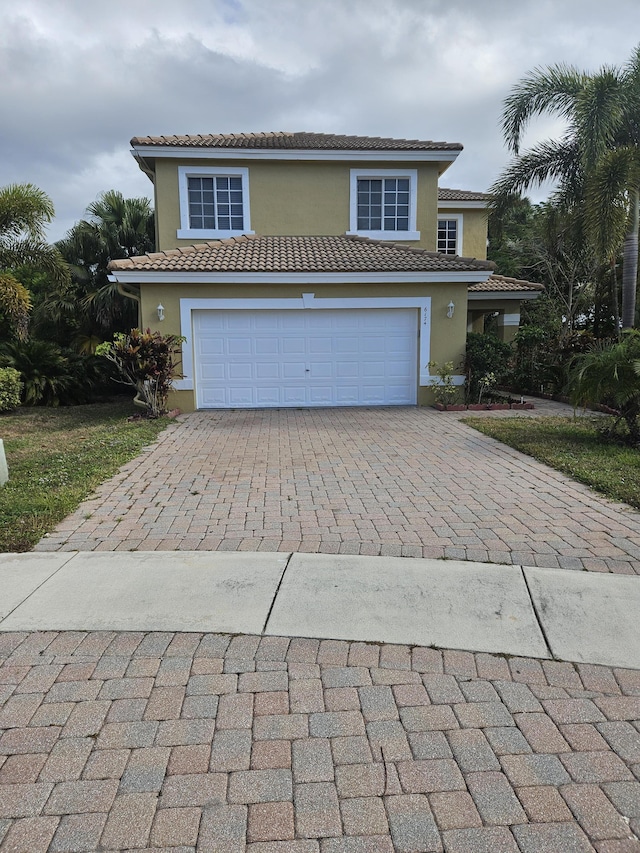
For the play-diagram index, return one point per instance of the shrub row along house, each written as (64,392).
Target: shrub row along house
(308,269)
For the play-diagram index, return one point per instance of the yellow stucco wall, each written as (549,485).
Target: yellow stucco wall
(448,336)
(474,230)
(293,197)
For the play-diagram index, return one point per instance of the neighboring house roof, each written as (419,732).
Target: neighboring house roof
(296,141)
(445,194)
(329,254)
(502,283)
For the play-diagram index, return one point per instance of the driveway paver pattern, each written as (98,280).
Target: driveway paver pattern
(116,741)
(396,482)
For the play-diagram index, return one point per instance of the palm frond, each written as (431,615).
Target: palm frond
(35,253)
(599,113)
(553,159)
(607,203)
(24,209)
(550,90)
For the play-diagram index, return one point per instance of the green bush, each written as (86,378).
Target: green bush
(10,388)
(49,375)
(487,362)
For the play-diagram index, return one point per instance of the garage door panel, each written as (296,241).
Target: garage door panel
(347,369)
(371,369)
(296,396)
(347,395)
(268,396)
(293,370)
(239,346)
(266,371)
(267,346)
(215,371)
(240,370)
(317,357)
(211,346)
(294,346)
(214,398)
(397,369)
(373,345)
(321,370)
(241,397)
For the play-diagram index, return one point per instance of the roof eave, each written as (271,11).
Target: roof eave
(150,152)
(372,277)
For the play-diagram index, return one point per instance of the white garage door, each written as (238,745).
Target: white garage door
(262,358)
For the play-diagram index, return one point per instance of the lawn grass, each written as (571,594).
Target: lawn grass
(56,457)
(575,447)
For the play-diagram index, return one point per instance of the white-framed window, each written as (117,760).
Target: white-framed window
(450,234)
(383,203)
(214,202)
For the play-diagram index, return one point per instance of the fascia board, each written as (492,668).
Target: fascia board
(159,277)
(478,296)
(462,205)
(290,154)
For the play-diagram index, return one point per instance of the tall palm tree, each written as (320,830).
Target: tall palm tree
(25,211)
(597,161)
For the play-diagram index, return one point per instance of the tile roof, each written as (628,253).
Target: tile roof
(297,141)
(504,283)
(445,194)
(342,254)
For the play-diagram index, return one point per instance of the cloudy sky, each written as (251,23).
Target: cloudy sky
(79,78)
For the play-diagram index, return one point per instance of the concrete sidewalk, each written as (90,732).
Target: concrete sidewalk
(293,703)
(581,617)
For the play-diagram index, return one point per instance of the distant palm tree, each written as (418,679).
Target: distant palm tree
(24,212)
(596,162)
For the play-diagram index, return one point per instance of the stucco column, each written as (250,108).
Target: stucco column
(475,322)
(508,325)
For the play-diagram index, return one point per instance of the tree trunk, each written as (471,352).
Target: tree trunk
(630,264)
(614,297)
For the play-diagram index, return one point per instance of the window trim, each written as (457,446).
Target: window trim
(185,232)
(459,219)
(412,174)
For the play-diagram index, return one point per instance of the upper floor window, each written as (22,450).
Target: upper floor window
(383,203)
(214,202)
(450,235)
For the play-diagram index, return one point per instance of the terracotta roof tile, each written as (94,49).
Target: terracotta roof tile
(295,254)
(504,283)
(446,194)
(295,141)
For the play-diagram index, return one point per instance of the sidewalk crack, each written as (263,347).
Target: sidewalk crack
(275,595)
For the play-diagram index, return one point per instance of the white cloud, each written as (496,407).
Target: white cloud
(78,79)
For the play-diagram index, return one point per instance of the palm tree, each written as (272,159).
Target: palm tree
(24,212)
(611,374)
(597,161)
(115,227)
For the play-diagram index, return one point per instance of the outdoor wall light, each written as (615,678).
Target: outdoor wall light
(161,312)
(450,309)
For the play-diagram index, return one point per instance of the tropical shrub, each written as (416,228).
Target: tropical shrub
(486,363)
(10,388)
(148,361)
(609,374)
(49,375)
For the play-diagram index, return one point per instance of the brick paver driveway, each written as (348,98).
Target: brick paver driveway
(191,742)
(397,482)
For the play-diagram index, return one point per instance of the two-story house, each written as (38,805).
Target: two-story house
(309,269)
